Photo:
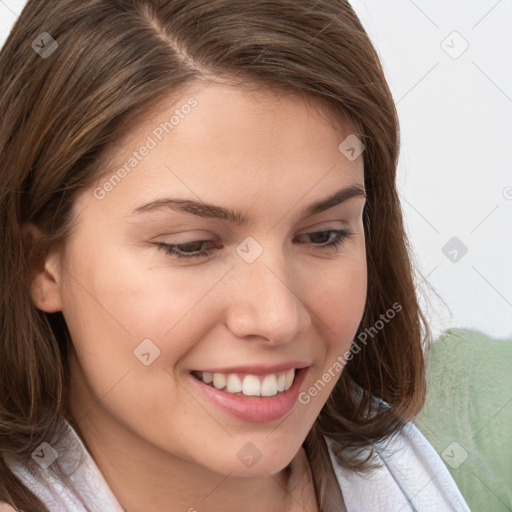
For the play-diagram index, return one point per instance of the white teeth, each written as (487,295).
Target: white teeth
(269,386)
(280,382)
(250,385)
(219,381)
(289,379)
(234,384)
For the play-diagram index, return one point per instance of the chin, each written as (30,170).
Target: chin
(255,460)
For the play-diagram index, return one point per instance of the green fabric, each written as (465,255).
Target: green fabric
(468,415)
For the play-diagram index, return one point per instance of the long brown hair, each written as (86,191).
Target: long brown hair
(61,112)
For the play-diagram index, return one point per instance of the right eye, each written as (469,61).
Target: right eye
(180,250)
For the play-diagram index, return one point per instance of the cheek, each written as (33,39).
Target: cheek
(338,299)
(339,305)
(114,302)
(131,293)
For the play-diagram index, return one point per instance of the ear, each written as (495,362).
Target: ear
(45,287)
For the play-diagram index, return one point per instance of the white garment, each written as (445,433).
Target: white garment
(412,477)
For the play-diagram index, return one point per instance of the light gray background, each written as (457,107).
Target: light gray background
(455,172)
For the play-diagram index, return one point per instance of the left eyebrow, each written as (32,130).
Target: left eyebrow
(236,217)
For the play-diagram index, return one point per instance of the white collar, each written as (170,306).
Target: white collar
(412,477)
(80,468)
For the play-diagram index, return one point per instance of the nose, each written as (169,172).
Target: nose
(265,302)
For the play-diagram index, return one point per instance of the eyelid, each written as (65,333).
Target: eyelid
(335,244)
(324,226)
(316,227)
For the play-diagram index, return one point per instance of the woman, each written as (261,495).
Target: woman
(207,298)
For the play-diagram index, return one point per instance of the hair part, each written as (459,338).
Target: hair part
(62,115)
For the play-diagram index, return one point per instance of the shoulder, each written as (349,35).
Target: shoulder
(416,466)
(409,470)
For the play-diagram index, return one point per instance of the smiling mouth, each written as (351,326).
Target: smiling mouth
(269,385)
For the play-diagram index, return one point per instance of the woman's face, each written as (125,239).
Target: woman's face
(266,296)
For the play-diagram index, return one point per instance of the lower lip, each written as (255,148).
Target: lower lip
(256,409)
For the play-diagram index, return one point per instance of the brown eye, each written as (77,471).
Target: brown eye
(183,250)
(340,235)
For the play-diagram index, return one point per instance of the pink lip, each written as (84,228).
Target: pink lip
(255,409)
(258,369)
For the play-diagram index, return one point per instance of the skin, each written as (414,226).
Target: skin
(158,442)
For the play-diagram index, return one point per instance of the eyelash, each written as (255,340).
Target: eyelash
(341,235)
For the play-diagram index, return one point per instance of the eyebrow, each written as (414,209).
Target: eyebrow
(202,209)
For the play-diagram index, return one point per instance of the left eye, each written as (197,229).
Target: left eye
(180,250)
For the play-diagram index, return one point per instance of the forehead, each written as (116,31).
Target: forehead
(216,140)
(238,113)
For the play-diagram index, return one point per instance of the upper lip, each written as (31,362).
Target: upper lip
(259,369)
